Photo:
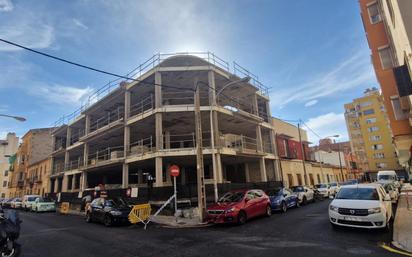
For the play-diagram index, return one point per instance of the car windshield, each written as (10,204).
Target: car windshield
(45,200)
(358,194)
(116,202)
(232,197)
(333,184)
(17,200)
(320,186)
(32,198)
(273,192)
(297,189)
(386,177)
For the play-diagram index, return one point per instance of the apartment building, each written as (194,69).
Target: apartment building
(36,145)
(388,27)
(8,147)
(38,175)
(369,132)
(136,128)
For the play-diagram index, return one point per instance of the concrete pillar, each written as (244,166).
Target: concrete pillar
(125,175)
(218,161)
(255,105)
(268,112)
(68,136)
(140,176)
(85,154)
(66,160)
(83,181)
(127,95)
(74,181)
(65,181)
(159,131)
(259,138)
(126,140)
(167,139)
(212,88)
(53,142)
(87,125)
(263,169)
(158,90)
(247,174)
(56,185)
(159,172)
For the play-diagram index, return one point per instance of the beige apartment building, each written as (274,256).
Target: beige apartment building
(388,27)
(370,134)
(8,147)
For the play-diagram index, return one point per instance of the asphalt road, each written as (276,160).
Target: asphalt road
(300,232)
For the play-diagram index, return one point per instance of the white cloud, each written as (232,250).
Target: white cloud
(311,103)
(80,24)
(327,125)
(63,95)
(6,6)
(351,73)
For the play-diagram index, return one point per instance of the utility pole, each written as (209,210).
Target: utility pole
(340,163)
(303,156)
(201,194)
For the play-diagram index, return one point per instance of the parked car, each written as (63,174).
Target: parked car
(108,211)
(27,201)
(323,189)
(7,203)
(362,205)
(391,190)
(304,194)
(239,206)
(334,188)
(42,204)
(16,203)
(281,199)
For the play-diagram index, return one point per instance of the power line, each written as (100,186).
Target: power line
(316,134)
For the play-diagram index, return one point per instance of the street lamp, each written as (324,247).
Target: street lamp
(212,136)
(14,117)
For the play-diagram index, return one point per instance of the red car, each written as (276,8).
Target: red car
(239,206)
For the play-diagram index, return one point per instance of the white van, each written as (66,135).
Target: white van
(27,201)
(388,176)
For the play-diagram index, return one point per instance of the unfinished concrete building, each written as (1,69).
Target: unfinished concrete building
(130,129)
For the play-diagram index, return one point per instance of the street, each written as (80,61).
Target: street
(300,232)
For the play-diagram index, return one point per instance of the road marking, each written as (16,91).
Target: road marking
(393,250)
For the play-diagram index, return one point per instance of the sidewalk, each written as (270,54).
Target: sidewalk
(402,226)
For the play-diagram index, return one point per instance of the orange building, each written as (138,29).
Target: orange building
(388,30)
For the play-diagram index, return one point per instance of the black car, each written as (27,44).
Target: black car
(6,204)
(108,211)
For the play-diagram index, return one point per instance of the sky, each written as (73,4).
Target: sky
(313,55)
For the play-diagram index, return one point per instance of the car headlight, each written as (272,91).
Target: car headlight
(333,208)
(230,210)
(374,210)
(115,213)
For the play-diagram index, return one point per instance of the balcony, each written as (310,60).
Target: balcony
(142,106)
(142,146)
(59,144)
(111,117)
(76,135)
(58,168)
(105,156)
(240,143)
(74,164)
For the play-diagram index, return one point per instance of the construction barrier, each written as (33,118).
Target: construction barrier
(140,213)
(64,207)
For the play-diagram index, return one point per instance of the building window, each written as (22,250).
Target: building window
(370,120)
(375,138)
(374,14)
(6,173)
(386,57)
(373,129)
(365,104)
(379,155)
(397,109)
(380,165)
(377,147)
(4,183)
(368,111)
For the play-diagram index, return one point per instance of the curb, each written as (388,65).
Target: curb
(400,247)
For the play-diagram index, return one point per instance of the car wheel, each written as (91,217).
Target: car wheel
(107,221)
(241,218)
(304,201)
(88,217)
(268,211)
(284,207)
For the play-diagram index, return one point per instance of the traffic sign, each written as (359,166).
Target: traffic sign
(174,170)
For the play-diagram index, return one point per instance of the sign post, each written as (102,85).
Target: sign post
(174,172)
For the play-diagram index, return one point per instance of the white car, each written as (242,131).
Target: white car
(27,201)
(304,194)
(16,203)
(42,204)
(323,189)
(334,188)
(388,176)
(362,206)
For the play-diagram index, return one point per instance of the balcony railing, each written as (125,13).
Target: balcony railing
(142,106)
(58,167)
(74,164)
(142,146)
(59,144)
(239,142)
(76,135)
(267,147)
(111,117)
(105,155)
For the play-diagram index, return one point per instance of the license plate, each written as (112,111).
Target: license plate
(351,218)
